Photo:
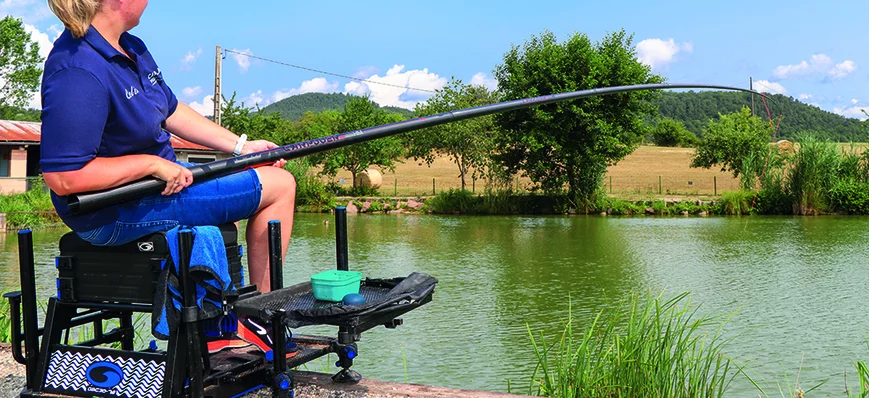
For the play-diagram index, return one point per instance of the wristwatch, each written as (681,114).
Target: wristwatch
(239,145)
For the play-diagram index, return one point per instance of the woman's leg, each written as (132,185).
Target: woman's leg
(277,203)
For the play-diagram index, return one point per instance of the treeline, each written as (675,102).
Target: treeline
(292,108)
(696,109)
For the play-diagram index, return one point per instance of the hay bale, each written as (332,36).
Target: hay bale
(785,146)
(369,179)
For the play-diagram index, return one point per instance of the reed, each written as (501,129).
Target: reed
(656,348)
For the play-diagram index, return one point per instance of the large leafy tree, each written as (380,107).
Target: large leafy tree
(360,113)
(733,140)
(467,143)
(572,143)
(19,64)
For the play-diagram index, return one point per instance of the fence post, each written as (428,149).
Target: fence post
(433,187)
(611,185)
(660,187)
(473,185)
(395,190)
(715,185)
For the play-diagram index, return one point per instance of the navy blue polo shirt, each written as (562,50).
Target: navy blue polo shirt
(99,102)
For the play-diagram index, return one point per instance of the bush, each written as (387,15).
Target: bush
(736,203)
(452,202)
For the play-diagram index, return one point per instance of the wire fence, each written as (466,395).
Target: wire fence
(622,185)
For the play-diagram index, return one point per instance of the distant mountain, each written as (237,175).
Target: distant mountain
(292,108)
(695,109)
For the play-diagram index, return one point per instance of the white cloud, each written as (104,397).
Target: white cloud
(29,11)
(482,79)
(254,100)
(852,111)
(206,107)
(766,86)
(190,59)
(398,92)
(818,65)
(242,60)
(842,70)
(366,71)
(854,101)
(805,97)
(315,85)
(191,92)
(659,53)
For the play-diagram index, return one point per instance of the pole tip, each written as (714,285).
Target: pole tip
(24,232)
(340,207)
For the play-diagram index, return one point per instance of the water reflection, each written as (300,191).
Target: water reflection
(799,282)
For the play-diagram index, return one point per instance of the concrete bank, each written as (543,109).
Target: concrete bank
(308,385)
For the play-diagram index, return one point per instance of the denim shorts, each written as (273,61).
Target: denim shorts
(226,199)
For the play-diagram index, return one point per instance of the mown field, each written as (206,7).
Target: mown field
(637,176)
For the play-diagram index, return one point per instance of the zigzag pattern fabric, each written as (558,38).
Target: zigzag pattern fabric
(141,378)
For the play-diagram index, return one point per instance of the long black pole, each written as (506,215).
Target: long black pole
(88,202)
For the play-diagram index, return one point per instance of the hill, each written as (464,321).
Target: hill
(292,108)
(695,109)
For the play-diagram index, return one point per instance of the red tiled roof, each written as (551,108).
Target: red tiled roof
(13,131)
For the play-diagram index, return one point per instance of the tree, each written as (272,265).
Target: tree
(572,143)
(467,143)
(360,113)
(19,64)
(670,132)
(731,140)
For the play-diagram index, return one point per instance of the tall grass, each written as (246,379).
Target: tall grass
(812,173)
(657,348)
(310,191)
(29,209)
(736,203)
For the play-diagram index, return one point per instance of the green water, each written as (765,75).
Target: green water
(800,285)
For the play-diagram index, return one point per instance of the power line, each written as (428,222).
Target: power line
(326,73)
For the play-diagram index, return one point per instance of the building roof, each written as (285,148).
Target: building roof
(29,132)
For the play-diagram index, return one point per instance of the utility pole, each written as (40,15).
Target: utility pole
(217,70)
(751,87)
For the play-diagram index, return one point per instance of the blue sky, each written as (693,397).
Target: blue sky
(809,50)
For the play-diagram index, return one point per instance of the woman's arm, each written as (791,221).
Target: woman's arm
(102,173)
(190,125)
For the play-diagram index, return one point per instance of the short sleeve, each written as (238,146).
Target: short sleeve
(173,102)
(75,107)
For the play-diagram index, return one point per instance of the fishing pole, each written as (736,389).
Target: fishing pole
(87,202)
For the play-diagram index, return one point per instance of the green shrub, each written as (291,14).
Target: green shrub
(735,203)
(454,201)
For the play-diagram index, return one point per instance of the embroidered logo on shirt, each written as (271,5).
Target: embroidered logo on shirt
(131,92)
(155,77)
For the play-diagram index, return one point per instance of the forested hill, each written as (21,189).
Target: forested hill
(695,109)
(292,108)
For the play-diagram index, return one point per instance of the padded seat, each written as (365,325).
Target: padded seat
(127,273)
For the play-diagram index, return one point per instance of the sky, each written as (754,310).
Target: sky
(813,51)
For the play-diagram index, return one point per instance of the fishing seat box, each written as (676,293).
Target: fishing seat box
(127,273)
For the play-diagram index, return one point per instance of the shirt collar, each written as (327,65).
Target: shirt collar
(102,46)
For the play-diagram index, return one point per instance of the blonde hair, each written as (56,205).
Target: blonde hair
(76,15)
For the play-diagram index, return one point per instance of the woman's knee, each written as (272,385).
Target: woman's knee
(277,184)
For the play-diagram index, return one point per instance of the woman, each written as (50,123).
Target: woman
(106,113)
